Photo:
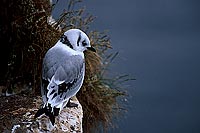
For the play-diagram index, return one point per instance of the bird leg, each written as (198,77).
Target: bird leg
(70,104)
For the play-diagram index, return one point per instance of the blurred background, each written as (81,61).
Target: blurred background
(159,44)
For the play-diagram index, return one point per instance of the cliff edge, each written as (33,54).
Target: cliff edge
(21,119)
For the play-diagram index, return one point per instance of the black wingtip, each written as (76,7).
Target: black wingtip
(40,112)
(52,118)
(48,113)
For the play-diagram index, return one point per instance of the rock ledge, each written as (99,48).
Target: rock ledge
(69,121)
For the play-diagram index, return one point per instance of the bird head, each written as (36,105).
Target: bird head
(77,40)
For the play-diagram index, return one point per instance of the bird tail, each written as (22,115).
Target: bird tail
(47,110)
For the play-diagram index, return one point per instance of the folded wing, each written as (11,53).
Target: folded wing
(62,76)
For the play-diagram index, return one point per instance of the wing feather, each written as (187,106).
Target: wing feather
(60,67)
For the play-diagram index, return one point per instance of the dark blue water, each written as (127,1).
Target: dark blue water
(159,44)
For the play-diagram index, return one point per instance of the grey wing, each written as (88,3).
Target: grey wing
(62,76)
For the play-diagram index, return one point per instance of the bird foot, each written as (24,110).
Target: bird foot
(70,104)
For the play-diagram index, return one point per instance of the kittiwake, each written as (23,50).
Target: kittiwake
(63,71)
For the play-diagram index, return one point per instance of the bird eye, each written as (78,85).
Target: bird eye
(84,43)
